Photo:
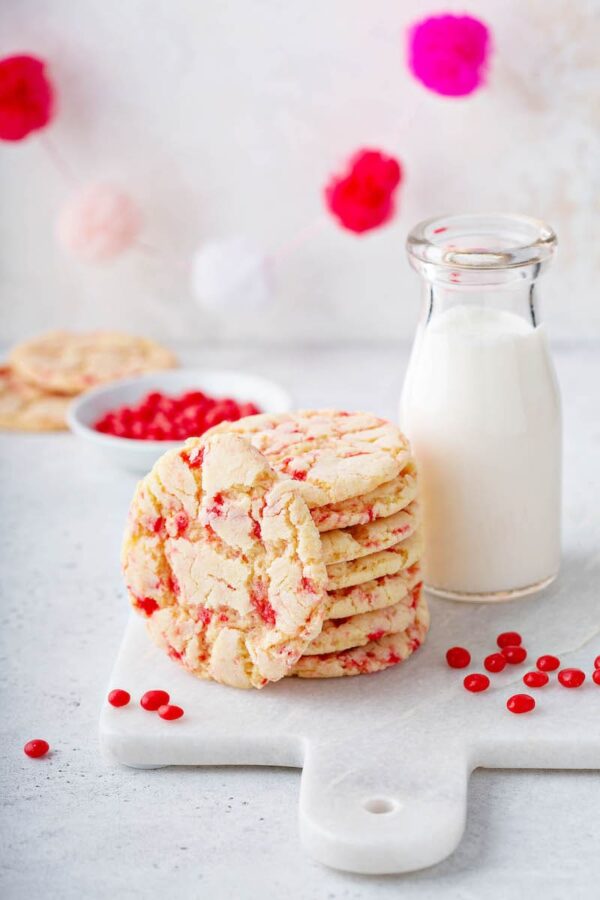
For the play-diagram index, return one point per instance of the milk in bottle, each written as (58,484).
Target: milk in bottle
(481,407)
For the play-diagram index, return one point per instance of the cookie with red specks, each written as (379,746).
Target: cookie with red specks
(222,557)
(70,363)
(383,501)
(332,455)
(378,654)
(346,544)
(375,594)
(24,407)
(385,562)
(358,630)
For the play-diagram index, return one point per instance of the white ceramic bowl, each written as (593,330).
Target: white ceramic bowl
(140,456)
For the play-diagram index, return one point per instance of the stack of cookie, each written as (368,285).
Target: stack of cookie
(281,545)
(44,374)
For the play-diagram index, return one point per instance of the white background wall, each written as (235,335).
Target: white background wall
(227,116)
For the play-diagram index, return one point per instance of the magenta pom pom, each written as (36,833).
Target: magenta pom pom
(448,54)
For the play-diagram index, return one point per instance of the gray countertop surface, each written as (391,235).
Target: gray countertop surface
(75,825)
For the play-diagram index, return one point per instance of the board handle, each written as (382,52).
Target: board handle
(385,815)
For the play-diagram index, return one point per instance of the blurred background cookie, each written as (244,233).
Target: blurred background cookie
(24,407)
(70,363)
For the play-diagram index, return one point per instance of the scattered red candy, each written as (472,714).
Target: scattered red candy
(535,679)
(119,697)
(509,639)
(159,417)
(36,748)
(597,663)
(520,703)
(153,699)
(476,683)
(495,662)
(458,657)
(514,654)
(548,663)
(596,676)
(571,678)
(169,712)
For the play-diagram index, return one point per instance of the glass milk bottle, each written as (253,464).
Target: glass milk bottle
(481,407)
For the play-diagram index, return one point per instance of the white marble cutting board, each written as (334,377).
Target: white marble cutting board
(386,758)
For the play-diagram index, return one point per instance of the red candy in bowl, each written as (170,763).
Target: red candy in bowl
(134,422)
(160,417)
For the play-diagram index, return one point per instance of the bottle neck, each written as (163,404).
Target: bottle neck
(518,298)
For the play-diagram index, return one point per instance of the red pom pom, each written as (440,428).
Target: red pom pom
(363,198)
(26,97)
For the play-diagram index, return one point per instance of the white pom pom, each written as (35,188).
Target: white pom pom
(230,274)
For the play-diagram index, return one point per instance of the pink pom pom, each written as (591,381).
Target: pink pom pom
(99,223)
(448,54)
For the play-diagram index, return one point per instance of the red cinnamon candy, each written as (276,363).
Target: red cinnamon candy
(571,678)
(520,703)
(476,683)
(159,417)
(509,639)
(458,657)
(152,700)
(548,663)
(36,748)
(535,679)
(119,697)
(170,712)
(495,662)
(514,654)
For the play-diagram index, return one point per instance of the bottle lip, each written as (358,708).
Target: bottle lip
(481,241)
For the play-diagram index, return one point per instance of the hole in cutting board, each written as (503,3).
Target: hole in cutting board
(380,805)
